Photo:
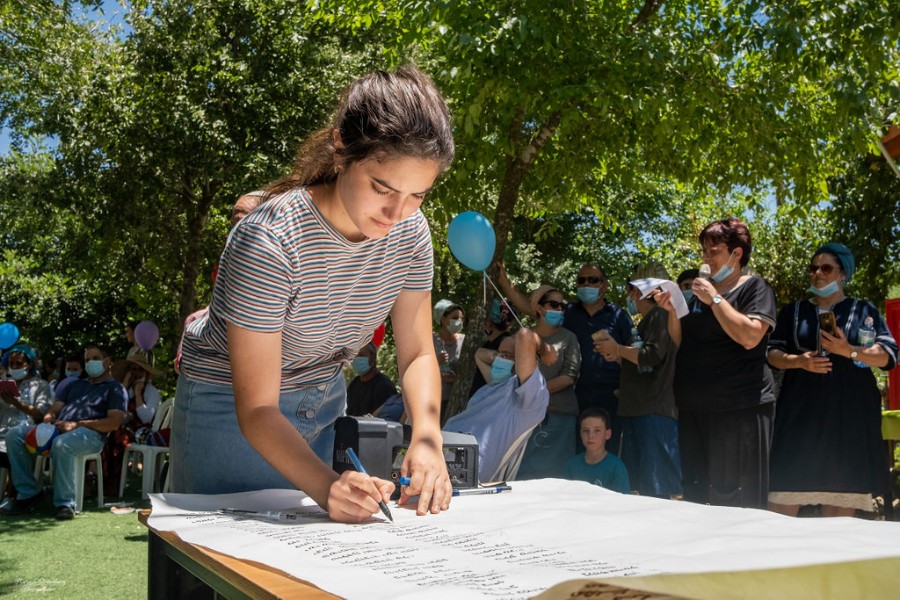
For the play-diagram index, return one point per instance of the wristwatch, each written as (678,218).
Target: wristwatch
(717,299)
(853,353)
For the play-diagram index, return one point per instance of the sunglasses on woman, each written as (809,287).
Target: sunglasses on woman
(825,268)
(591,279)
(554,304)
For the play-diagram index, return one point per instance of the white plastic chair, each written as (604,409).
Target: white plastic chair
(509,464)
(43,467)
(80,468)
(149,454)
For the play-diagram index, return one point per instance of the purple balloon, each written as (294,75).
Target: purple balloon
(146,335)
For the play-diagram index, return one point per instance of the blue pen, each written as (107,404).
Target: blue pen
(359,467)
(495,489)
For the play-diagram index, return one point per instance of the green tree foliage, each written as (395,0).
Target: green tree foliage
(154,130)
(866,203)
(555,100)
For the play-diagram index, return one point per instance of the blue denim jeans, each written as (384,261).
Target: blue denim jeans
(650,453)
(66,447)
(210,455)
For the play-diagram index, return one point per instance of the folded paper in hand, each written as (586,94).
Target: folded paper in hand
(648,285)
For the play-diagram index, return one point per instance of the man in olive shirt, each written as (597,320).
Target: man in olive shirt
(647,413)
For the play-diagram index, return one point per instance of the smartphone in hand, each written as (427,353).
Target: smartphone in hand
(9,386)
(827,323)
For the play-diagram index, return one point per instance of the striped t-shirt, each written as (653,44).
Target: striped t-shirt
(285,268)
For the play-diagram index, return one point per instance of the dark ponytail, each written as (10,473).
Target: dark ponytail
(400,114)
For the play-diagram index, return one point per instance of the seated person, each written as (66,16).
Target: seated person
(84,412)
(143,397)
(370,388)
(393,409)
(496,327)
(27,405)
(512,403)
(143,400)
(74,369)
(130,328)
(596,465)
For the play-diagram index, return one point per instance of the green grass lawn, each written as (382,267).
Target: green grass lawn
(97,555)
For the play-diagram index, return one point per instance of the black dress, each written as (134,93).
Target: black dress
(828,426)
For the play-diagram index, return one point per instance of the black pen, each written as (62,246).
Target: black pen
(359,467)
(271,515)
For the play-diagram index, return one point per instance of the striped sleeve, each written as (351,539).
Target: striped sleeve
(421,266)
(254,279)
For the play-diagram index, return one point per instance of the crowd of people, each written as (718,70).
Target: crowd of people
(94,403)
(643,399)
(685,407)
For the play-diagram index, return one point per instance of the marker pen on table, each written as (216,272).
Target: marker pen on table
(494,489)
(359,467)
(272,515)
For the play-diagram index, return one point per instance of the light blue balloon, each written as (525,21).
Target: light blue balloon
(472,240)
(9,335)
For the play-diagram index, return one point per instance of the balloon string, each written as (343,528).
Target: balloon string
(502,299)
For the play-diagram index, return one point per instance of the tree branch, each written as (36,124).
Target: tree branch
(650,8)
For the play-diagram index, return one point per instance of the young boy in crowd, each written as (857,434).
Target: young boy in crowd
(595,465)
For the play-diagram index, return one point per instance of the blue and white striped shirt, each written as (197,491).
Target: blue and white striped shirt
(285,268)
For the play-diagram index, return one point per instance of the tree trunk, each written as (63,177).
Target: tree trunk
(517,166)
(197,220)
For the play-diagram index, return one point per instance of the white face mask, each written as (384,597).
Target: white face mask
(454,325)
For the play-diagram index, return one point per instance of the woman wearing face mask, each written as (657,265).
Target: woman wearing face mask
(496,329)
(448,343)
(723,386)
(827,448)
(29,405)
(553,441)
(647,413)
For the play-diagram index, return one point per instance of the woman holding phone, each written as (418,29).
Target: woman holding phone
(827,447)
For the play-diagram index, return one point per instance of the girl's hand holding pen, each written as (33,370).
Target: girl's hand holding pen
(354,497)
(427,470)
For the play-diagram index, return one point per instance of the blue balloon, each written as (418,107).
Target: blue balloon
(472,240)
(9,335)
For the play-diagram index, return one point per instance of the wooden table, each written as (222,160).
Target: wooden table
(177,569)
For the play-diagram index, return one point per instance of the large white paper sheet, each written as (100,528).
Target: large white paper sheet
(517,544)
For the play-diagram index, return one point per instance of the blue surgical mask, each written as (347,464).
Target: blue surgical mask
(725,271)
(632,307)
(94,368)
(18,374)
(73,373)
(824,292)
(501,369)
(554,318)
(588,295)
(688,294)
(360,365)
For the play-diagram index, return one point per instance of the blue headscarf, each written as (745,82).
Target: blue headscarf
(25,350)
(843,254)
